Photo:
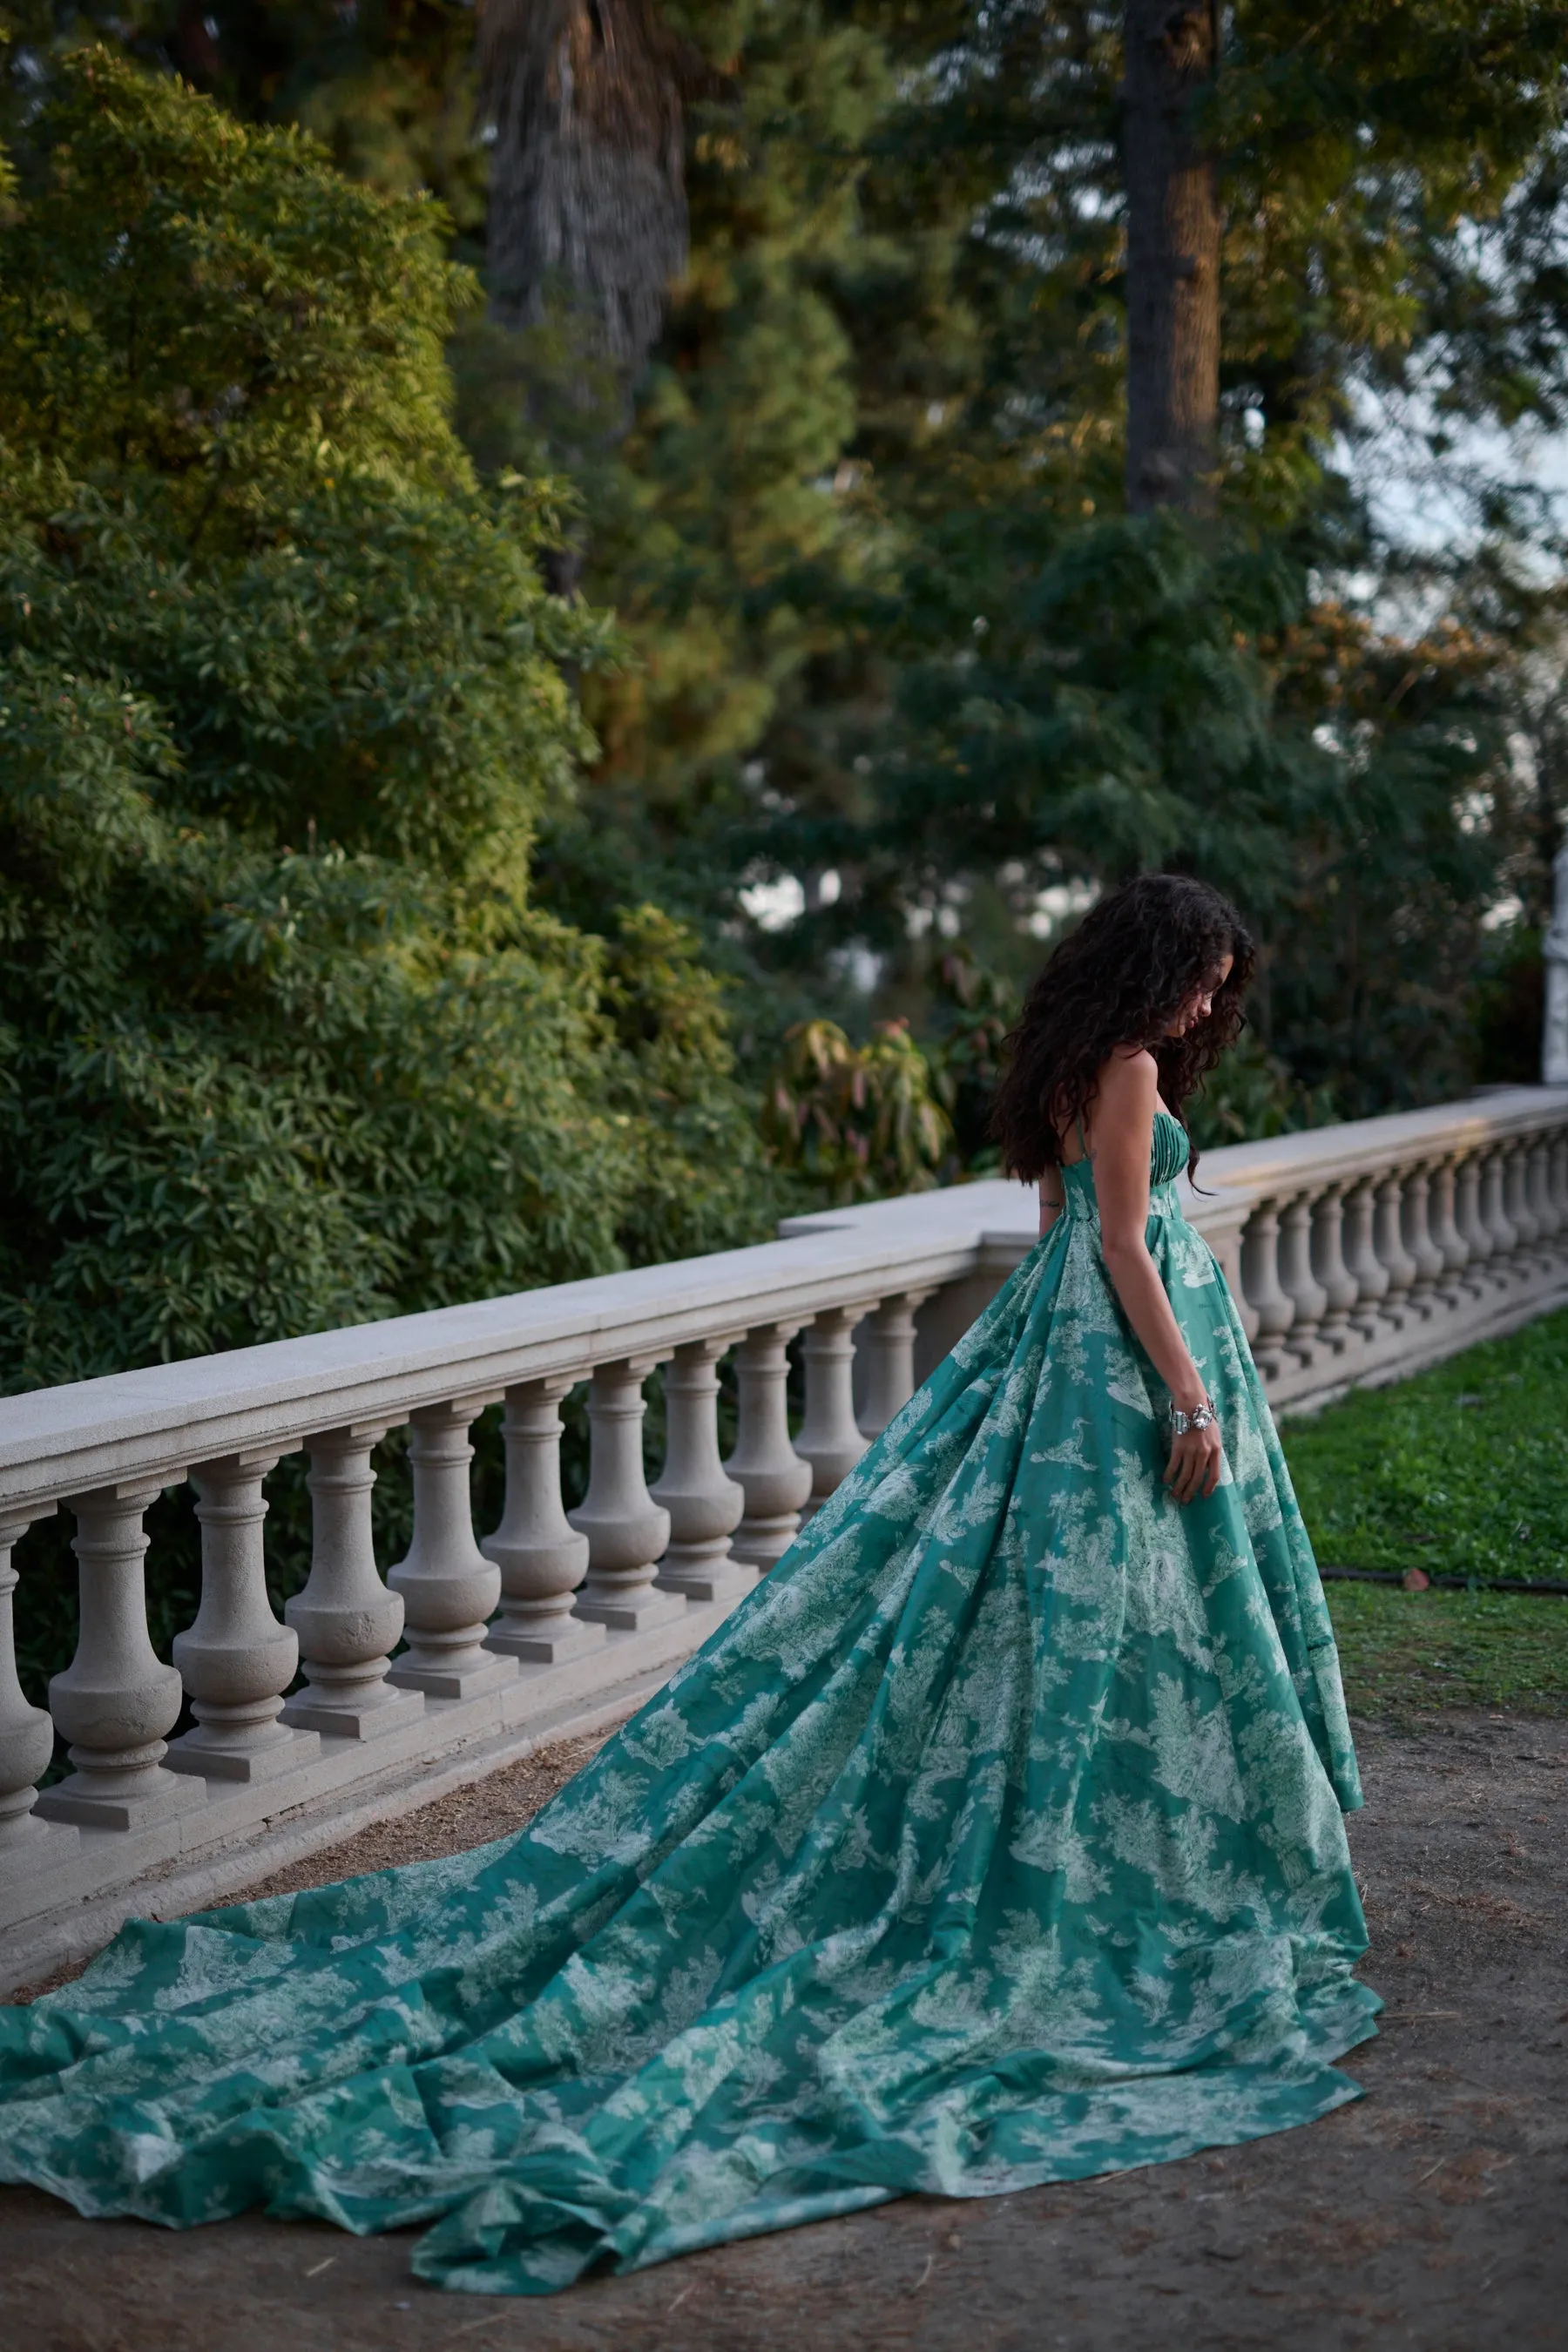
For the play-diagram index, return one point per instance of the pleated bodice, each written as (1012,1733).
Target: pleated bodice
(1168,1155)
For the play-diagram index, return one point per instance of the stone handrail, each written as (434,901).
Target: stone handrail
(1356,1252)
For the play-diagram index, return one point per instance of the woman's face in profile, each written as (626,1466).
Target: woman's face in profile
(1200,1003)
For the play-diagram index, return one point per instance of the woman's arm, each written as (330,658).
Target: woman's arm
(1050,1200)
(1123,1126)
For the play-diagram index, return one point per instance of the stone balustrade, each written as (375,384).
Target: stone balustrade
(1357,1252)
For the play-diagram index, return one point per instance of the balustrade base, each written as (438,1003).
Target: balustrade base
(91,1807)
(374,1716)
(197,1752)
(759,1543)
(631,1613)
(549,1643)
(469,1680)
(726,1579)
(31,1848)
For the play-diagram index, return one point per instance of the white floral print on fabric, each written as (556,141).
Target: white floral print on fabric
(996,1839)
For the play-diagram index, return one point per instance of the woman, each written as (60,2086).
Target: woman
(994,1840)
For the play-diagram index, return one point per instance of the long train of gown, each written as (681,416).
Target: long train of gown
(995,1838)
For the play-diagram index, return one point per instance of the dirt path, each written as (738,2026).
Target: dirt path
(1431,2213)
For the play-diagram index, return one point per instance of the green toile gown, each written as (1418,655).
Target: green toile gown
(995,1838)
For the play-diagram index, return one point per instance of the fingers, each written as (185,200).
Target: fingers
(1180,1471)
(1194,1466)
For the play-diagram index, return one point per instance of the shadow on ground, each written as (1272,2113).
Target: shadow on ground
(1429,2213)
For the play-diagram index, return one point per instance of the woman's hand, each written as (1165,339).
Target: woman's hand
(1197,1457)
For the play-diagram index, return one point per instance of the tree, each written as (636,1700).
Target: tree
(1173,255)
(1067,691)
(588,179)
(877,464)
(283,1041)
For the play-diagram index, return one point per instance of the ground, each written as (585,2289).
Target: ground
(1428,2214)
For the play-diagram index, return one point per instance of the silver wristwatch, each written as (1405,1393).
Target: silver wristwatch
(1204,1418)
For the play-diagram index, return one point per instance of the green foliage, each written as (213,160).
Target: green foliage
(856,1121)
(996,682)
(1253,1093)
(972,1012)
(244,352)
(883,615)
(283,1043)
(1461,1471)
(1509,1007)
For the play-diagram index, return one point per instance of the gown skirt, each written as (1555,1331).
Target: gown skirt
(996,1838)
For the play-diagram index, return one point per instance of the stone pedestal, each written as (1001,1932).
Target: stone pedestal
(26,1738)
(705,1504)
(888,1342)
(346,1618)
(447,1586)
(116,1700)
(542,1557)
(627,1530)
(830,1437)
(771,1476)
(237,1659)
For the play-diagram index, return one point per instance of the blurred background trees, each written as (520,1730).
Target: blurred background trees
(798,341)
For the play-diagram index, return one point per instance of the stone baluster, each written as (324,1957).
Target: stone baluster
(1339,1288)
(705,1504)
(1309,1298)
(542,1557)
(627,1530)
(1361,1259)
(1388,1239)
(1556,1186)
(236,1660)
(830,1437)
(771,1474)
(1516,1177)
(1416,1232)
(26,1737)
(116,1700)
(1273,1305)
(346,1618)
(1539,1196)
(1494,1215)
(890,1345)
(449,1587)
(1447,1239)
(1226,1242)
(1474,1231)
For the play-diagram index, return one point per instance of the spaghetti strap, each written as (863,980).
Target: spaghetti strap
(1083,1139)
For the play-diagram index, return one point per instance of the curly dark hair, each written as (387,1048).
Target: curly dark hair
(1119,979)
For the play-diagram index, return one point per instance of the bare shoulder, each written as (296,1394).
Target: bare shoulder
(1124,1105)
(1129,1082)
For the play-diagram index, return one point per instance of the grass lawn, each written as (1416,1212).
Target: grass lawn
(1404,1653)
(1461,1471)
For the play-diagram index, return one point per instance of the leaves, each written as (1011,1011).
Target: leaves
(283,1041)
(857,1120)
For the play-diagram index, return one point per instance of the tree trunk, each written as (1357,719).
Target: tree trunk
(588,177)
(1172,257)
